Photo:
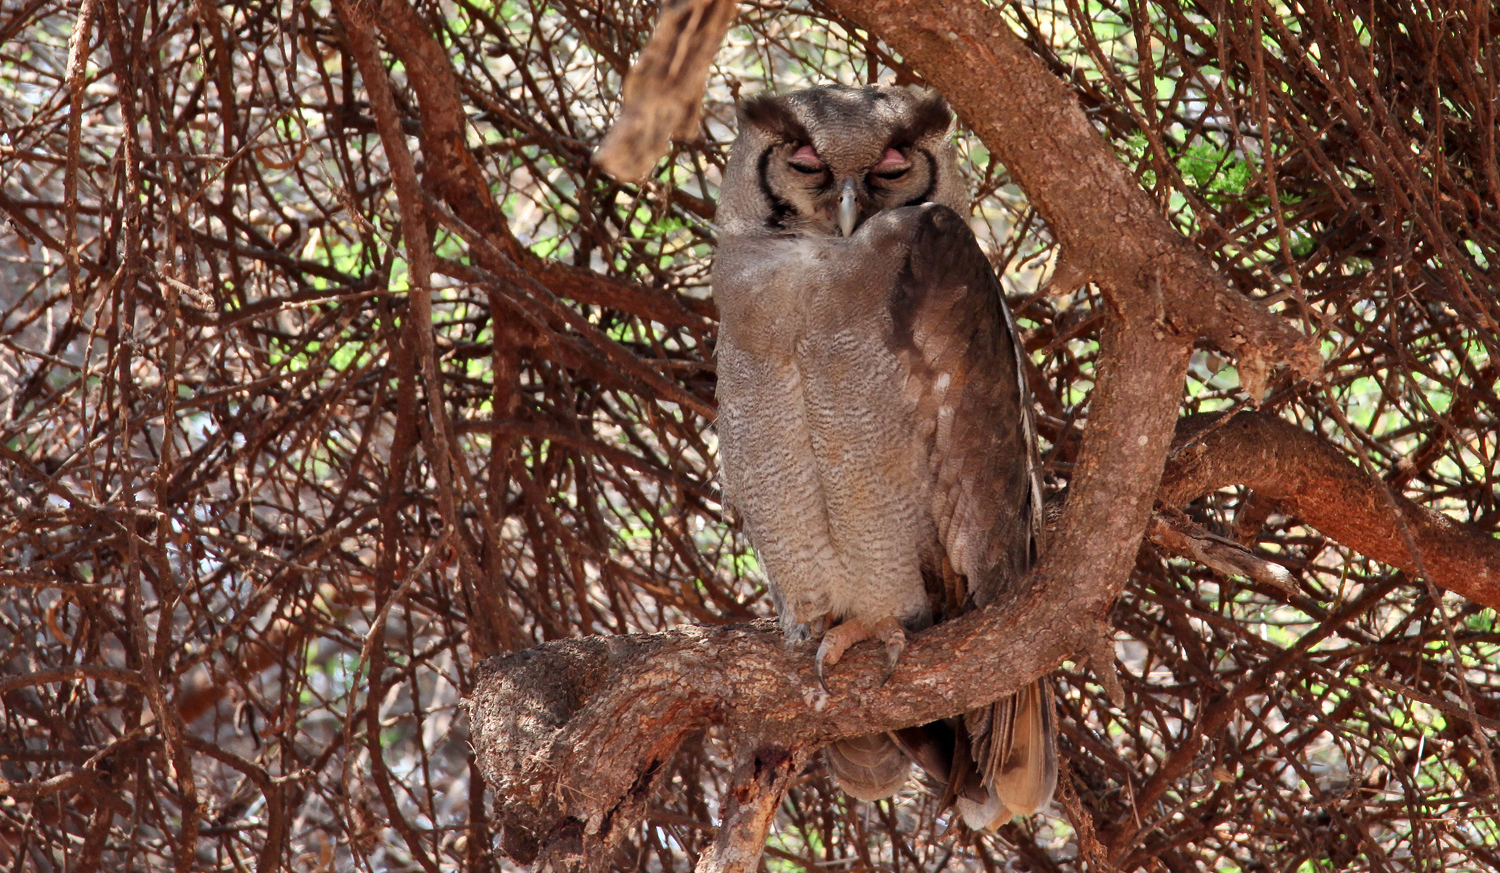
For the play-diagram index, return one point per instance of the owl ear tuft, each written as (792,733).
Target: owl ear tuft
(772,115)
(929,116)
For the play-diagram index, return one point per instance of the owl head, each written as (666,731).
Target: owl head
(820,162)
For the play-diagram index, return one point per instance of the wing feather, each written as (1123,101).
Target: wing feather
(965,374)
(966,379)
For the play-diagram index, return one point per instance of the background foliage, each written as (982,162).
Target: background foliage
(240,609)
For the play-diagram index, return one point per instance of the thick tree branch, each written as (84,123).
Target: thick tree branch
(1317,483)
(572,734)
(760,782)
(1176,534)
(664,91)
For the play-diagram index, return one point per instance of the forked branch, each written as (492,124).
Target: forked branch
(1317,483)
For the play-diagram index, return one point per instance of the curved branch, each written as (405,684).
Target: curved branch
(572,735)
(1317,483)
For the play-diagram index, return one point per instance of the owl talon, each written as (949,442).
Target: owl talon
(818,668)
(838,640)
(891,633)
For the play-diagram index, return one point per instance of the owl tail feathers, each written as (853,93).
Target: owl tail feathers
(993,763)
(871,767)
(1015,747)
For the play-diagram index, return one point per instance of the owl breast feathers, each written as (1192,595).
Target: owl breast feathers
(875,431)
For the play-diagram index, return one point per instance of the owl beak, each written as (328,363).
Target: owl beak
(848,207)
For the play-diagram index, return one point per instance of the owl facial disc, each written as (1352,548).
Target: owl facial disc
(790,170)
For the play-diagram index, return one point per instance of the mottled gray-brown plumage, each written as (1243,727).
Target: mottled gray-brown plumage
(874,426)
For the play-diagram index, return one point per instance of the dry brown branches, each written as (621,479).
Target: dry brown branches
(246,575)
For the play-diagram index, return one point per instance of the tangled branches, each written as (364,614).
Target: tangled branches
(294,431)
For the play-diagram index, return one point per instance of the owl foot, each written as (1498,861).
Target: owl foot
(838,640)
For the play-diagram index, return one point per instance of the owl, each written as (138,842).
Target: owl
(875,430)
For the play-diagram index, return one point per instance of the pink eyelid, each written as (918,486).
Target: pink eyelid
(807,155)
(891,160)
